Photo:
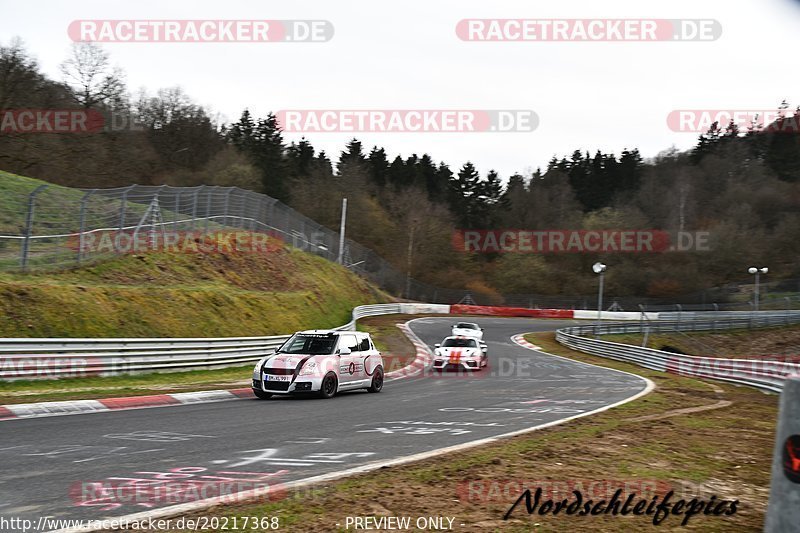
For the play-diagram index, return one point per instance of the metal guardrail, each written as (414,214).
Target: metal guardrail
(767,375)
(22,358)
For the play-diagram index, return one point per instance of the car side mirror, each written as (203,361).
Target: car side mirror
(437,345)
(344,350)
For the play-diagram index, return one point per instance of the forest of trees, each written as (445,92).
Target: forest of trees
(741,187)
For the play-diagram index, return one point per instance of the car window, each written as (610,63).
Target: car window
(364,346)
(349,341)
(465,325)
(309,344)
(460,343)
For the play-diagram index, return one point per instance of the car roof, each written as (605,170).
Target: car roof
(331,332)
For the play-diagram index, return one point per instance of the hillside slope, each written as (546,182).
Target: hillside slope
(163,294)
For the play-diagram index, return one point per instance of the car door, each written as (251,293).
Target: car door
(349,363)
(368,358)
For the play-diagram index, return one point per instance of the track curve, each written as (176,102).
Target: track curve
(48,465)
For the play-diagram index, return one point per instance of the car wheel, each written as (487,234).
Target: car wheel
(261,395)
(377,380)
(328,387)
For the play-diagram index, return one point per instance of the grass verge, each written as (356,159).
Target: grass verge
(713,439)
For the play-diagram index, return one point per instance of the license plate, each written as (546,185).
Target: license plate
(269,377)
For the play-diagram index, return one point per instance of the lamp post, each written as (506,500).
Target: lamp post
(340,259)
(410,257)
(757,272)
(599,268)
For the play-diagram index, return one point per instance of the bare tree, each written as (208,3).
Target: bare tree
(91,78)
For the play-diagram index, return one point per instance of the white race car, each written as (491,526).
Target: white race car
(320,361)
(467,329)
(458,353)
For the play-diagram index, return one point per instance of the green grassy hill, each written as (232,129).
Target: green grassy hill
(183,295)
(162,294)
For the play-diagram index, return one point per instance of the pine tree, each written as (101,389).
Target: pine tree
(352,155)
(378,166)
(300,158)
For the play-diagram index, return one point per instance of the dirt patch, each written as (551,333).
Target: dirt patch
(396,349)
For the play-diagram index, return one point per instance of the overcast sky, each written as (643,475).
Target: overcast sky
(406,55)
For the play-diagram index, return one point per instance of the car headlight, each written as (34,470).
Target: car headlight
(308,368)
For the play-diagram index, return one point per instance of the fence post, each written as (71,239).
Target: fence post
(227,204)
(680,314)
(783,511)
(82,230)
(122,209)
(260,215)
(26,243)
(208,207)
(641,319)
(195,199)
(255,203)
(177,208)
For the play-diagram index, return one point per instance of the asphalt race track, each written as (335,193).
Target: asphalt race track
(47,465)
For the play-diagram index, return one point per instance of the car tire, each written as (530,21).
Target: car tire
(261,395)
(377,381)
(327,388)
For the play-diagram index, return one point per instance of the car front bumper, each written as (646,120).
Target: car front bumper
(469,363)
(300,384)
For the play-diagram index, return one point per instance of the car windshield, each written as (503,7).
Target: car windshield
(460,343)
(303,343)
(466,325)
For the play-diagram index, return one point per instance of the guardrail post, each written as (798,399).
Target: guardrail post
(680,314)
(26,243)
(82,229)
(788,308)
(783,511)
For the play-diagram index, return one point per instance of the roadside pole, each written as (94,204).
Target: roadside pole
(341,231)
